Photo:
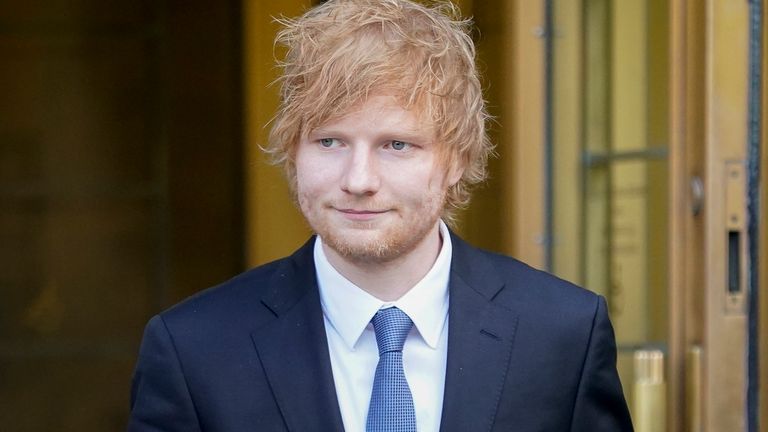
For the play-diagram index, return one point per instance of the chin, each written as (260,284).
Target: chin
(371,246)
(363,246)
(391,237)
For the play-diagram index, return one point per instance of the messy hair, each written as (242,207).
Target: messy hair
(343,51)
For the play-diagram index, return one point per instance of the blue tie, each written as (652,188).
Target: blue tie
(391,408)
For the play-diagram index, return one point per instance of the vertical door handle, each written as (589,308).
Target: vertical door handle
(693,389)
(735,232)
(650,396)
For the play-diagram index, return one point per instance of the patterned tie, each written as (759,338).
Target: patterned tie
(391,408)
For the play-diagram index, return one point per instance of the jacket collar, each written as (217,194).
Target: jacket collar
(293,347)
(480,338)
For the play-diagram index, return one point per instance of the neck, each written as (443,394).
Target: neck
(390,280)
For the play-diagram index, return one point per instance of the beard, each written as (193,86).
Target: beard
(378,241)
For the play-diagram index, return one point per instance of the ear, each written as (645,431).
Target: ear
(455,172)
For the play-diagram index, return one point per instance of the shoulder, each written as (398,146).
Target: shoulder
(522,287)
(245,298)
(529,282)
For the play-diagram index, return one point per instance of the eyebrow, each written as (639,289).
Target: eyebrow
(400,135)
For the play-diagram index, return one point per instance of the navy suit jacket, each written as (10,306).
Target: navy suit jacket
(526,352)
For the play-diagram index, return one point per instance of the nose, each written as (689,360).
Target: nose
(361,176)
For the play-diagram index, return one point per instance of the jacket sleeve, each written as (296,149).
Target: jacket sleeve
(600,404)
(160,399)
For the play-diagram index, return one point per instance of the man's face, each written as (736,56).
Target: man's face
(371,183)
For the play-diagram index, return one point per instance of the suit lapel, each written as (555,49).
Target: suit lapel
(293,348)
(480,339)
(294,351)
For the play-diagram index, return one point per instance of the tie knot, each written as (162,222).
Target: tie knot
(391,326)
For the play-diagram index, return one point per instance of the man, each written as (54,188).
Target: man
(384,321)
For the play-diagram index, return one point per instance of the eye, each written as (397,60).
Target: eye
(399,145)
(327,142)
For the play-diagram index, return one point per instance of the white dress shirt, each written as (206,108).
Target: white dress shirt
(352,342)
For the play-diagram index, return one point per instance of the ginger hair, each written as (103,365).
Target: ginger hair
(343,51)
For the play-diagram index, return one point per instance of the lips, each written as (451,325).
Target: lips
(360,214)
(355,211)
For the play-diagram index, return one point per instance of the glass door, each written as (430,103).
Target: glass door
(608,128)
(647,129)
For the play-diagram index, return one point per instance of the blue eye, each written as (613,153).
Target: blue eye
(327,142)
(399,145)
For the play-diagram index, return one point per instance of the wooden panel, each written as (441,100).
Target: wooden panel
(657,171)
(725,326)
(274,227)
(686,239)
(568,134)
(72,393)
(628,299)
(488,219)
(79,196)
(205,144)
(595,272)
(75,15)
(527,163)
(119,192)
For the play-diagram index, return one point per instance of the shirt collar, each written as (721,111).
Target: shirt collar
(349,308)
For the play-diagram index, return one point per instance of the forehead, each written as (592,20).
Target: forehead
(380,112)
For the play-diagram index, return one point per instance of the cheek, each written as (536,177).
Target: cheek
(312,178)
(437,179)
(306,196)
(306,168)
(306,188)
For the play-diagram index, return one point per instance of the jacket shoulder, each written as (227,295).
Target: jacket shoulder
(530,281)
(242,298)
(524,287)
